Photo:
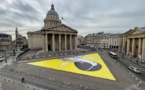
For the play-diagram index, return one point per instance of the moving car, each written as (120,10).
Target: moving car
(134,69)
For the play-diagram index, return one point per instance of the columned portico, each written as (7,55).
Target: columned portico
(54,36)
(135,42)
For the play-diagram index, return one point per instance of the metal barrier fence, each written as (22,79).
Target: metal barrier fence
(54,55)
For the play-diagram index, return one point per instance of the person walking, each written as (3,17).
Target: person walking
(122,56)
(136,61)
(23,79)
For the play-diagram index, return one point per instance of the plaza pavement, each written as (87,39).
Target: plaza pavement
(124,81)
(35,75)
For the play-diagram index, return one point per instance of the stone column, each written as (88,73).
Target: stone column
(59,42)
(75,42)
(65,45)
(133,46)
(128,46)
(29,41)
(120,44)
(70,42)
(53,42)
(139,47)
(123,48)
(143,49)
(46,42)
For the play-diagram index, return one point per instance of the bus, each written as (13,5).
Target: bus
(113,55)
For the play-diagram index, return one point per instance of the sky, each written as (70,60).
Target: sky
(86,16)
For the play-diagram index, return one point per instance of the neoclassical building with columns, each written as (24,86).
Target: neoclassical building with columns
(54,36)
(133,42)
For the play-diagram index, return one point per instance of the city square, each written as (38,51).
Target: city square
(70,78)
(69,45)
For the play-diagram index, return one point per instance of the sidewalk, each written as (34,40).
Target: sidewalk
(132,60)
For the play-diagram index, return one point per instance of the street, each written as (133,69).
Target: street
(38,76)
(127,63)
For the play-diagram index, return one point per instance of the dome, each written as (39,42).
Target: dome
(52,11)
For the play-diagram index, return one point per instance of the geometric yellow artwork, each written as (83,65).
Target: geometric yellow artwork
(90,65)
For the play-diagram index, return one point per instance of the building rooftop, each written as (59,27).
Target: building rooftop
(52,11)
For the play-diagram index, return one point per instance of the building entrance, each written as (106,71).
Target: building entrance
(49,47)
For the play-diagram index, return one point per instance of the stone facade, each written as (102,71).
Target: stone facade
(54,36)
(5,41)
(98,40)
(80,40)
(91,40)
(104,40)
(133,42)
(114,41)
(20,40)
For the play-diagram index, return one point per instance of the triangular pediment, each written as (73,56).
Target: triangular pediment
(62,28)
(136,32)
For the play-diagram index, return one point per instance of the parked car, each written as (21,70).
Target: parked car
(143,61)
(134,69)
(2,58)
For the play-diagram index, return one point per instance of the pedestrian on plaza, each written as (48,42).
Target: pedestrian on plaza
(23,80)
(6,60)
(136,61)
(122,56)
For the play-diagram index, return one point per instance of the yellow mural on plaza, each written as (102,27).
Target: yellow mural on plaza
(90,64)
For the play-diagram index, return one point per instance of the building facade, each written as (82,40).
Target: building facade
(97,40)
(54,36)
(20,40)
(80,40)
(104,40)
(114,41)
(5,41)
(133,42)
(91,40)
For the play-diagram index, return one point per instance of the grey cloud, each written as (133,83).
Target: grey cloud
(128,14)
(24,7)
(83,15)
(12,19)
(2,12)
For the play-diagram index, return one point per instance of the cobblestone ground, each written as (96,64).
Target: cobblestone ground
(0,85)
